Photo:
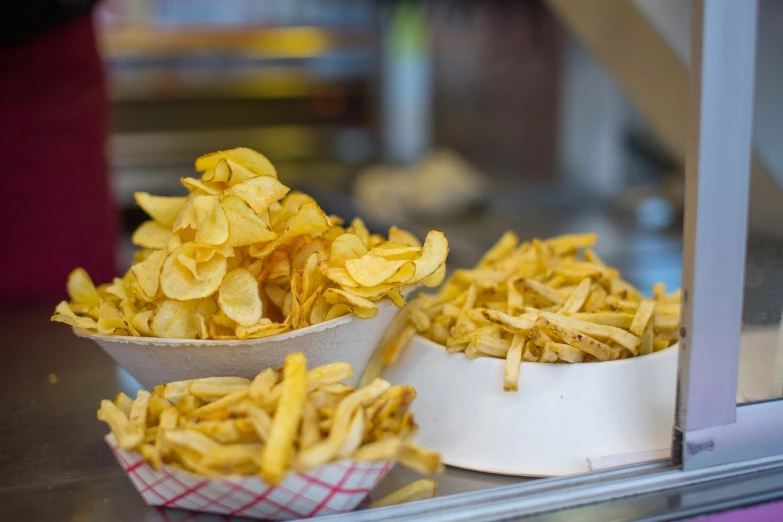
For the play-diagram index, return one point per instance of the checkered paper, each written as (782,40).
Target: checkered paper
(336,487)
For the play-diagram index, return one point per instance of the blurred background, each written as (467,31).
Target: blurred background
(541,116)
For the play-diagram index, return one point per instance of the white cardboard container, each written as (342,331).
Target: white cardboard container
(565,418)
(336,487)
(154,361)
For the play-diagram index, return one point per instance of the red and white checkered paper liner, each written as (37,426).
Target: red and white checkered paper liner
(337,487)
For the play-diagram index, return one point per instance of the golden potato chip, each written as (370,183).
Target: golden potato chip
(395,251)
(245,227)
(163,210)
(147,274)
(340,276)
(345,247)
(262,329)
(436,278)
(81,289)
(238,297)
(259,192)
(371,270)
(176,320)
(363,308)
(198,187)
(360,229)
(151,234)
(248,158)
(64,314)
(309,219)
(212,224)
(183,278)
(433,255)
(403,236)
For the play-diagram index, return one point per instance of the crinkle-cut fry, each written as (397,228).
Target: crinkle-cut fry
(419,459)
(616,319)
(279,449)
(325,450)
(577,298)
(540,289)
(643,316)
(513,360)
(579,340)
(599,331)
(419,490)
(392,350)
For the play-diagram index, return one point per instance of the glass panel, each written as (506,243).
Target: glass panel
(761,358)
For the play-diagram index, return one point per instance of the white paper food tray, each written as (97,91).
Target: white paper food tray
(337,487)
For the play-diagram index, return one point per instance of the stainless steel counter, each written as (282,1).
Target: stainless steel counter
(54,464)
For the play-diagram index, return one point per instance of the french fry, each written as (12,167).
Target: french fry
(420,490)
(279,449)
(643,315)
(237,435)
(513,359)
(576,339)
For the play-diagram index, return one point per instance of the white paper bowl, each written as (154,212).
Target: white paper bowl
(563,415)
(155,361)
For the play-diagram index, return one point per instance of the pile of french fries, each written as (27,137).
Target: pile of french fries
(283,420)
(552,301)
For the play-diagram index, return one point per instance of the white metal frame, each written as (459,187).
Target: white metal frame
(710,428)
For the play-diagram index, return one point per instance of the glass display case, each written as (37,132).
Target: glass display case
(640,129)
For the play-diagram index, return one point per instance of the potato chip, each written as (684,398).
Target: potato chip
(151,234)
(248,158)
(211,221)
(433,255)
(238,297)
(270,257)
(183,278)
(363,308)
(161,209)
(259,192)
(370,270)
(147,275)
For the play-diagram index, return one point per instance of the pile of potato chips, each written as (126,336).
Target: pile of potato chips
(541,301)
(242,257)
(289,419)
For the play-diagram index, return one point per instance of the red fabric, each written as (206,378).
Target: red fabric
(56,209)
